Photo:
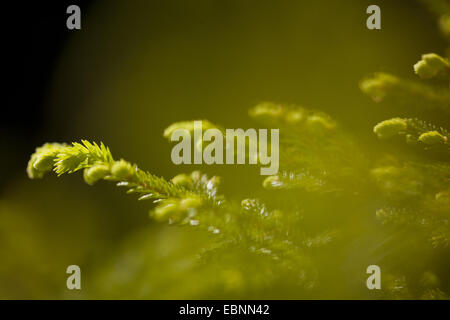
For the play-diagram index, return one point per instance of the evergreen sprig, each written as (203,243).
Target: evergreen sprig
(412,197)
(382,86)
(190,199)
(415,132)
(415,192)
(315,154)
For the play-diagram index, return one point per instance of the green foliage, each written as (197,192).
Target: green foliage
(414,186)
(431,65)
(194,200)
(383,86)
(288,232)
(415,132)
(317,157)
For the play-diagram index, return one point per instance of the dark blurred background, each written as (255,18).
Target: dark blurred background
(34,35)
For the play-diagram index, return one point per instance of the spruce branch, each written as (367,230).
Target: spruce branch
(98,163)
(416,195)
(433,223)
(415,132)
(382,86)
(315,154)
(189,199)
(432,65)
(397,287)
